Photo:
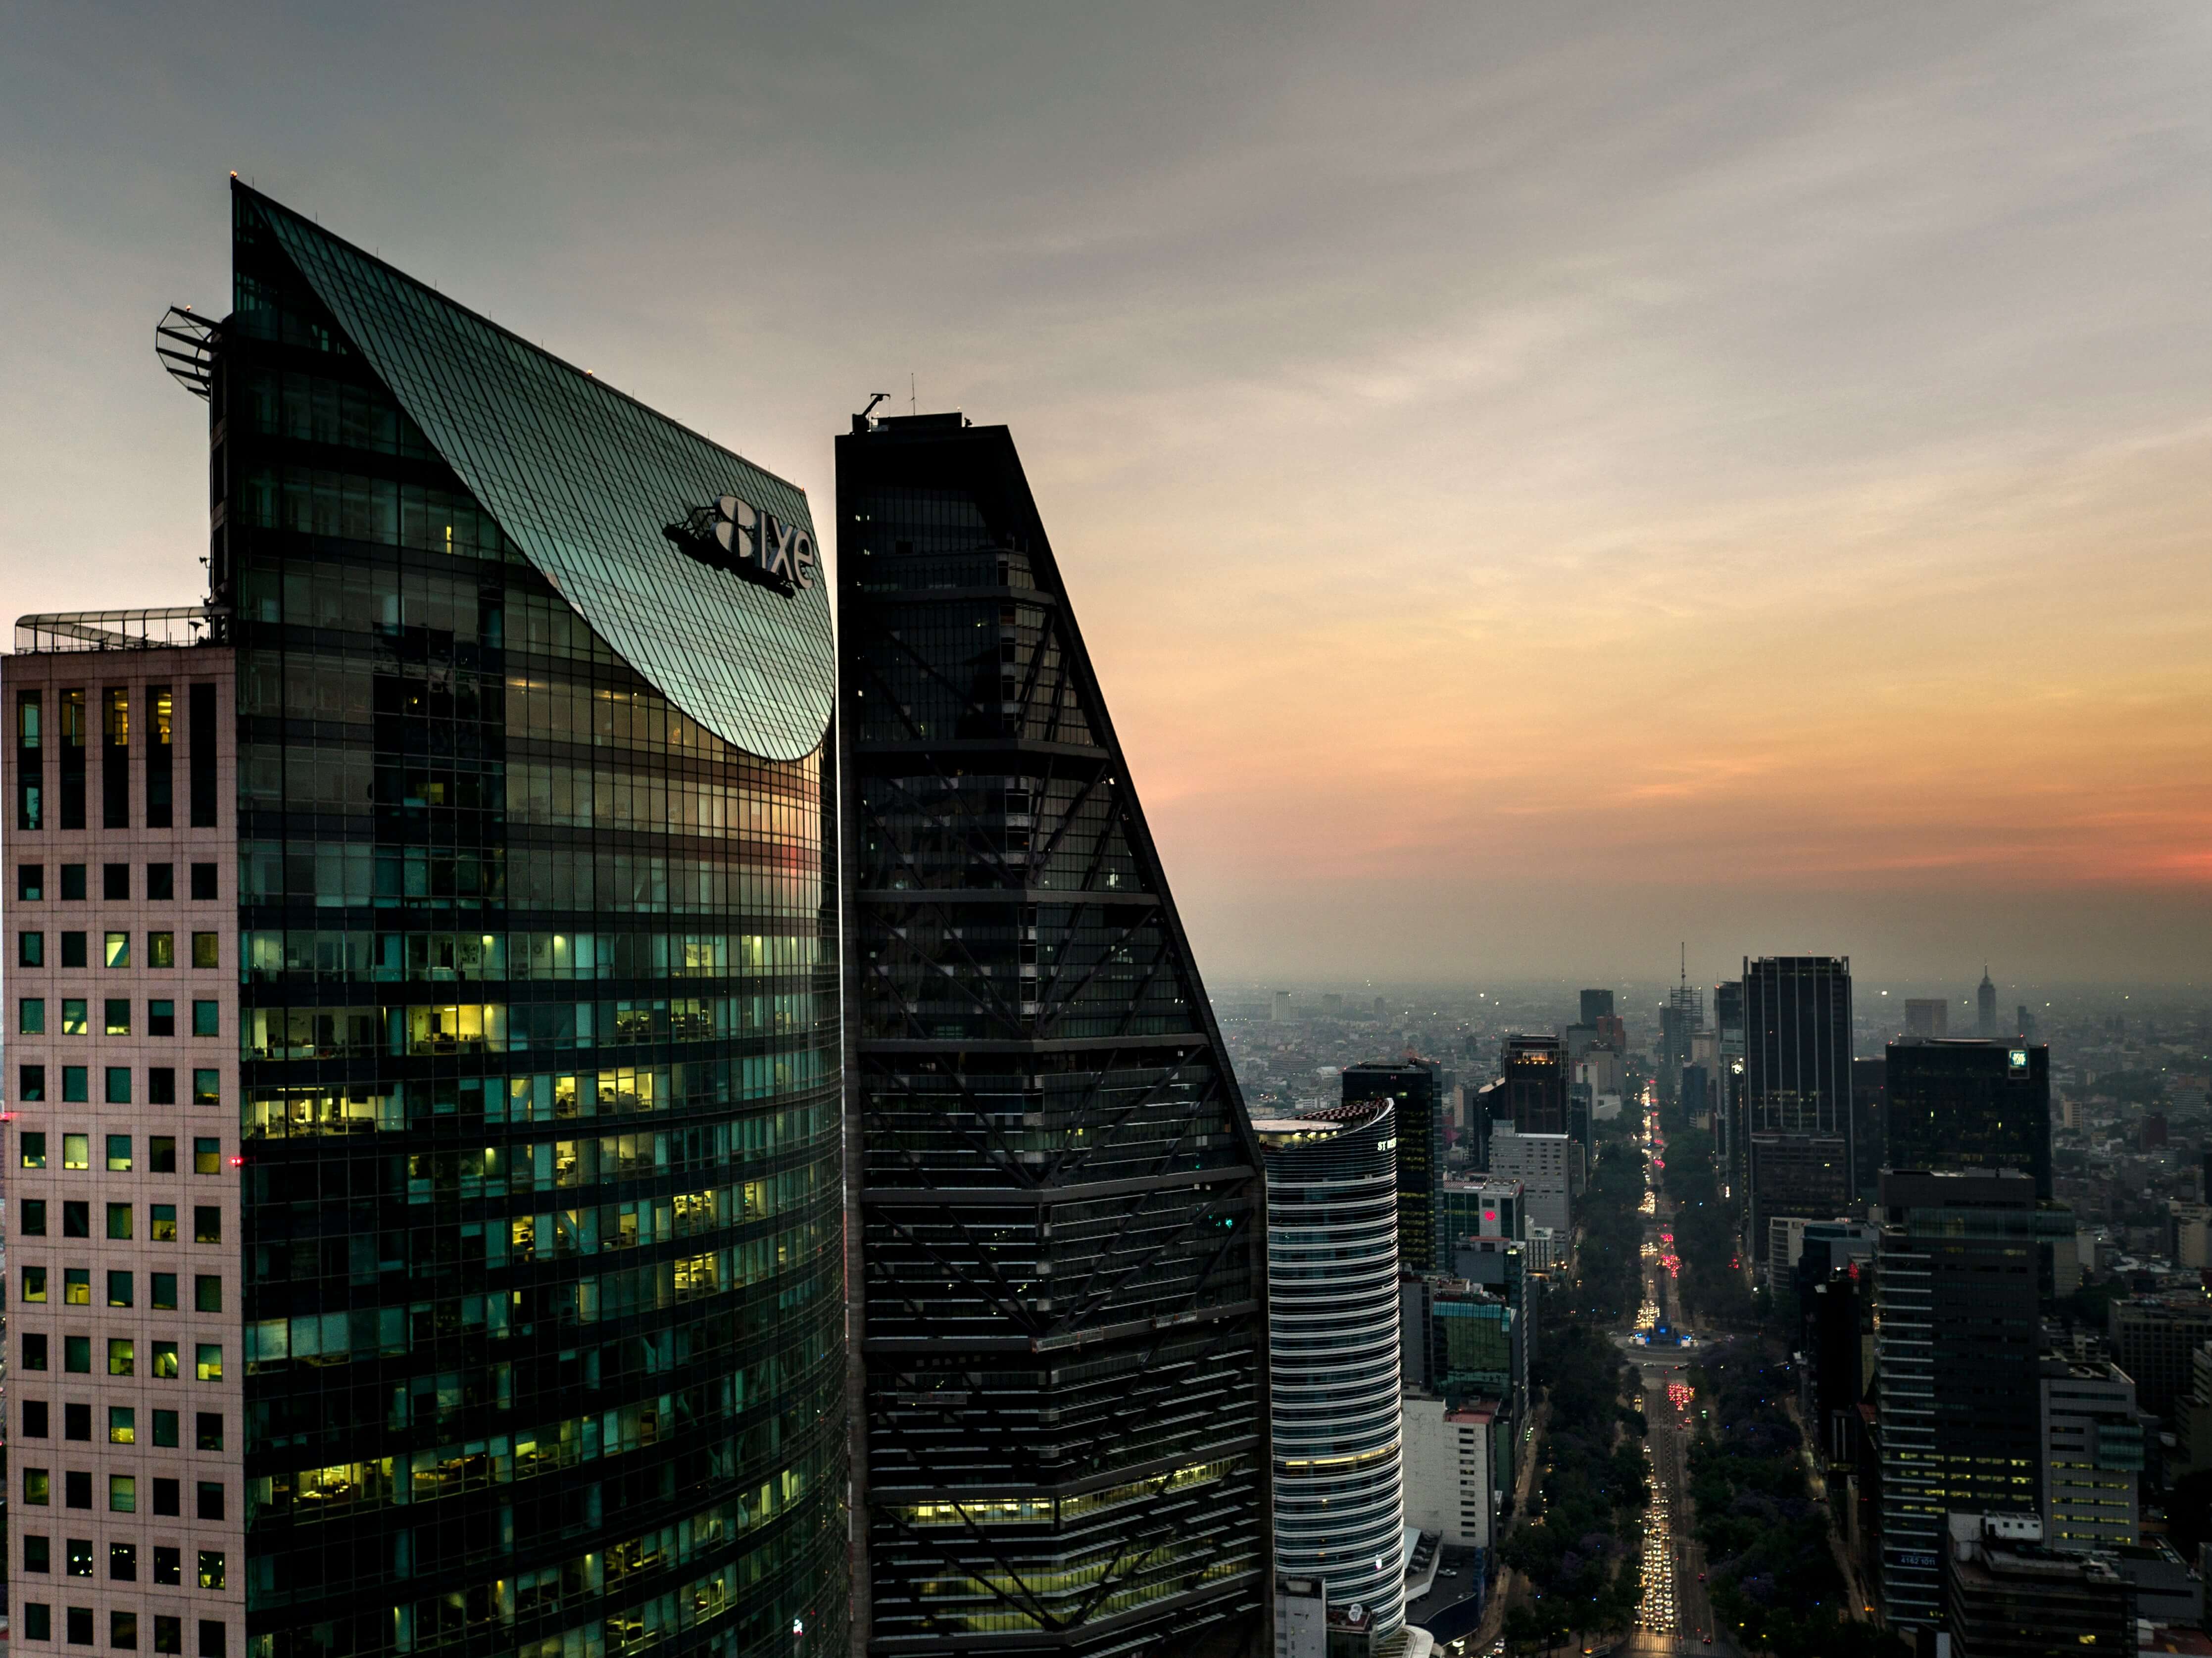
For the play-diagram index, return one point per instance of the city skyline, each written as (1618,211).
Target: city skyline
(1743,483)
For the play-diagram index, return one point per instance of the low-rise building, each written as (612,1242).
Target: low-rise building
(2007,1596)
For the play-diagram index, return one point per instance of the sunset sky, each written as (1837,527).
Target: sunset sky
(1538,483)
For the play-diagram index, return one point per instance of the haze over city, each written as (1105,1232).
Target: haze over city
(1542,485)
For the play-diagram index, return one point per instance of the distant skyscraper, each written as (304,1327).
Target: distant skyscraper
(2024,1024)
(1534,1071)
(1279,1009)
(1335,1379)
(1969,1105)
(1985,1005)
(1797,1087)
(1957,1368)
(1728,1109)
(1054,1194)
(1928,1017)
(1596,1004)
(1412,1087)
(1869,1086)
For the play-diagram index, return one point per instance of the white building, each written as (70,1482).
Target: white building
(1545,1164)
(2093,1454)
(1451,1484)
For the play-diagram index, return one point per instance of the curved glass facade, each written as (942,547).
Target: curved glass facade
(542,1323)
(1334,1360)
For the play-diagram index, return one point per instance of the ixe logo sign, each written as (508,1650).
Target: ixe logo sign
(733,535)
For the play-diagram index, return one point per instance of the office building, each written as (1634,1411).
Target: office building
(1058,1265)
(1869,1084)
(430,1245)
(1458,1467)
(1596,1004)
(1797,1086)
(1968,1105)
(2006,1595)
(1460,1340)
(1332,1320)
(1986,1009)
(1484,1208)
(1956,1361)
(2092,1456)
(1413,1088)
(1279,1007)
(1729,1147)
(2153,1339)
(1927,1017)
(1534,1071)
(1301,1618)
(1836,1352)
(1546,1166)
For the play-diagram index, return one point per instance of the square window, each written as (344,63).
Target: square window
(76,1151)
(118,1287)
(32,1213)
(122,1425)
(207,1297)
(207,1157)
(165,1430)
(35,1420)
(206,950)
(165,1502)
(161,1084)
(80,1626)
(207,1223)
(117,1009)
(30,884)
(76,1488)
(38,1621)
(121,1357)
(31,1083)
(115,883)
(76,1218)
(34,1352)
(31,1143)
(160,950)
(210,1499)
(76,1422)
(211,1628)
(76,1354)
(121,1563)
(117,1085)
(207,1362)
(73,883)
(165,1292)
(120,1217)
(169,1634)
(76,1286)
(31,1017)
(160,882)
(123,1631)
(161,1155)
(207,1019)
(30,950)
(207,1085)
(209,1430)
(38,1489)
(165,1364)
(211,1573)
(38,1554)
(161,1017)
(119,1151)
(76,1084)
(122,1494)
(74,1020)
(115,950)
(203,882)
(165,1215)
(34,1284)
(80,1556)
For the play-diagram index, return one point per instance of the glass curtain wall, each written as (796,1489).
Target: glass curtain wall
(544,1324)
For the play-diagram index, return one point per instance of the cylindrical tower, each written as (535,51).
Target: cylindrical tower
(1332,1345)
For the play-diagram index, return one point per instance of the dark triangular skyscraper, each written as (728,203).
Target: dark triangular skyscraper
(1058,1261)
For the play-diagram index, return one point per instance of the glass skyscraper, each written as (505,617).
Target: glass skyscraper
(1058,1253)
(509,1222)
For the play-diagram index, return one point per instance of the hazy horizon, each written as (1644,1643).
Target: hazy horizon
(1538,485)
